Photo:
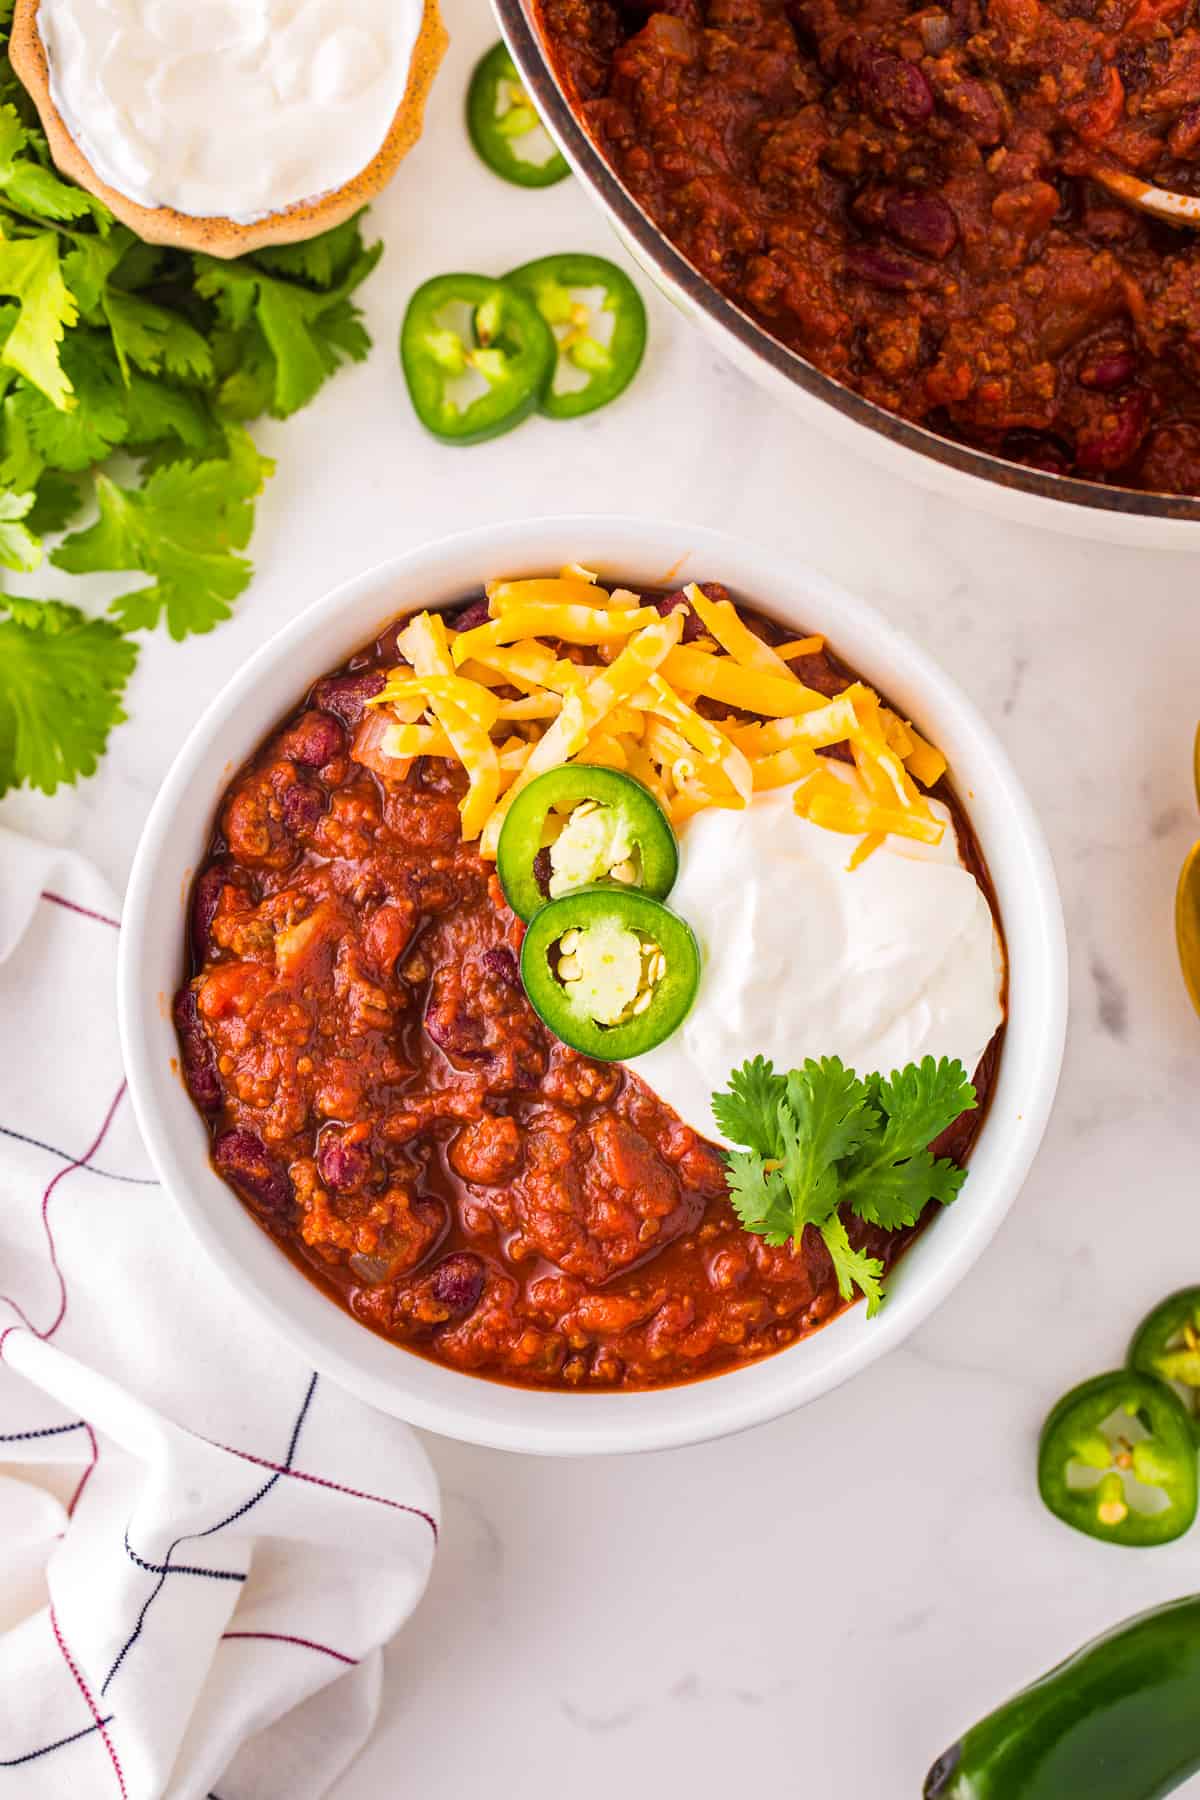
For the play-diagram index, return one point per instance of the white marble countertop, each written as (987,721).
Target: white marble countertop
(820,1604)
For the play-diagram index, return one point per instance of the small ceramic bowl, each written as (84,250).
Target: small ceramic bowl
(440,1398)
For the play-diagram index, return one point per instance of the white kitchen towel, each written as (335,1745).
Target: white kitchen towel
(203,1544)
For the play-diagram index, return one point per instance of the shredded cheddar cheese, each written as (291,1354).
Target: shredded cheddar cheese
(565,670)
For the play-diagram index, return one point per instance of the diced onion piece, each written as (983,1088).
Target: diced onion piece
(370,747)
(589,706)
(719,678)
(623,598)
(720,617)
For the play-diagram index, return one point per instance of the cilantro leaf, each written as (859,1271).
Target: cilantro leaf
(61,680)
(88,265)
(820,1138)
(154,338)
(893,1178)
(308,333)
(31,271)
(826,1116)
(57,499)
(749,1113)
(321,260)
(760,1198)
(93,428)
(853,1268)
(19,549)
(184,529)
(33,188)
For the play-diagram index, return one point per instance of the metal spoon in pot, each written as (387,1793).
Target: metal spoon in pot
(1187,907)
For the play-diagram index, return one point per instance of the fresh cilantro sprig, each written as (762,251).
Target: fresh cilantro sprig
(822,1141)
(114,348)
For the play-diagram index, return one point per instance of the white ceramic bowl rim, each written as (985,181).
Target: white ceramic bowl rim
(673,269)
(412,1387)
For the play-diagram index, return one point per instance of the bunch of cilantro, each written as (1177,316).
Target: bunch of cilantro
(822,1141)
(127,374)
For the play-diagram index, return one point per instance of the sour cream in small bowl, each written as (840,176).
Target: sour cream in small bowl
(802,971)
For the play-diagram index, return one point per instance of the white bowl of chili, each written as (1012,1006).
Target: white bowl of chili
(536,1419)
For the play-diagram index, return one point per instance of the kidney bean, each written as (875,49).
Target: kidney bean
(301,806)
(978,110)
(450,1022)
(197,1059)
(887,268)
(895,91)
(693,626)
(347,695)
(1107,366)
(343,1164)
(243,1159)
(502,965)
(1114,437)
(315,739)
(205,897)
(475,614)
(920,221)
(457,1283)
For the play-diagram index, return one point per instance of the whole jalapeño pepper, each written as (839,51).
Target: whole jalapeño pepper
(1119,1720)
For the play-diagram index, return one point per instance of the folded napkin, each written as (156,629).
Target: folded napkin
(203,1544)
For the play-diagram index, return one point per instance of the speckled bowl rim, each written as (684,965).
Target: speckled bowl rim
(429,1394)
(658,253)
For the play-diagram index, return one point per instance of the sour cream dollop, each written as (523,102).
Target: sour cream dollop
(228,108)
(881,965)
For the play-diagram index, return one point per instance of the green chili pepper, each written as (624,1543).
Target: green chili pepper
(1167,1344)
(1117,1460)
(476,356)
(610,827)
(600,344)
(1119,1720)
(500,116)
(610,971)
